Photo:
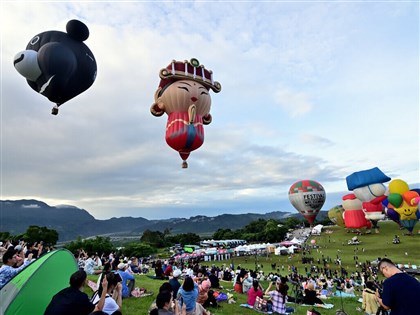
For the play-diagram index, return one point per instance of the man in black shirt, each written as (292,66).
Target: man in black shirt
(72,300)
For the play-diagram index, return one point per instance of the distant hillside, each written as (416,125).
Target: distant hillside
(71,222)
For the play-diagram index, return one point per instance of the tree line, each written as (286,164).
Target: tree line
(151,242)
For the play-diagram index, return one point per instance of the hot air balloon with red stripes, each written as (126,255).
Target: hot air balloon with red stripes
(308,197)
(184,95)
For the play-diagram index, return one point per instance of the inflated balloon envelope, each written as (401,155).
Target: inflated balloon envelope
(308,197)
(183,94)
(365,178)
(58,65)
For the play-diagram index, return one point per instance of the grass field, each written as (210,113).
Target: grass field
(374,245)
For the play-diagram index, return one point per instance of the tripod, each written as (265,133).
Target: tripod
(341,311)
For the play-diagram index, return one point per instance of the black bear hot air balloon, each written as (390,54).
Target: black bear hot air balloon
(58,65)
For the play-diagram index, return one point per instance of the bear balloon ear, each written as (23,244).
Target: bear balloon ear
(77,30)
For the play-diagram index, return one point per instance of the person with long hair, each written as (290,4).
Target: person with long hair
(279,297)
(369,303)
(255,291)
(113,298)
(164,305)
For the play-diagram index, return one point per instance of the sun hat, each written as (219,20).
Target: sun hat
(121,266)
(176,273)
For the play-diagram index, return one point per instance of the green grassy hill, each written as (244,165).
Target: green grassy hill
(371,247)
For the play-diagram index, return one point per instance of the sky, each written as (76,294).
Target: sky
(310,90)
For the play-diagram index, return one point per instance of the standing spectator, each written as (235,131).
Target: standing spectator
(255,291)
(401,292)
(128,280)
(7,271)
(369,303)
(72,300)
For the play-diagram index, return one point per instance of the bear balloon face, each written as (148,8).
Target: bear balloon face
(58,65)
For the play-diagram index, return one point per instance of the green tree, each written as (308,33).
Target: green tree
(35,234)
(138,250)
(154,238)
(184,239)
(98,245)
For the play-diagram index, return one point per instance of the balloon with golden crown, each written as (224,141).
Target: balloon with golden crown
(183,94)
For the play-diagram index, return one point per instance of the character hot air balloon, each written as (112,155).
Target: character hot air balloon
(354,217)
(183,94)
(336,215)
(368,187)
(308,197)
(58,65)
(405,203)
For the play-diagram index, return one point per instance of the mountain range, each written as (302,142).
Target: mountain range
(70,222)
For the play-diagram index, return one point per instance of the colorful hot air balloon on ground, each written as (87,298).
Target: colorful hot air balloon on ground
(336,215)
(308,197)
(58,65)
(354,217)
(405,203)
(368,187)
(183,94)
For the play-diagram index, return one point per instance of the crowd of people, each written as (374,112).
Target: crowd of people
(16,257)
(193,288)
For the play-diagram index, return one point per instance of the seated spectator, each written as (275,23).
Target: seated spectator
(134,265)
(90,265)
(165,287)
(7,271)
(72,300)
(205,295)
(279,297)
(240,277)
(214,279)
(128,280)
(247,284)
(187,294)
(105,271)
(349,289)
(163,303)
(311,296)
(227,275)
(168,270)
(113,295)
(174,282)
(159,270)
(255,291)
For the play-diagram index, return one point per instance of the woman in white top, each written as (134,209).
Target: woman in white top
(113,299)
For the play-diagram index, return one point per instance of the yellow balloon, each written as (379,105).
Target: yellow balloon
(398,186)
